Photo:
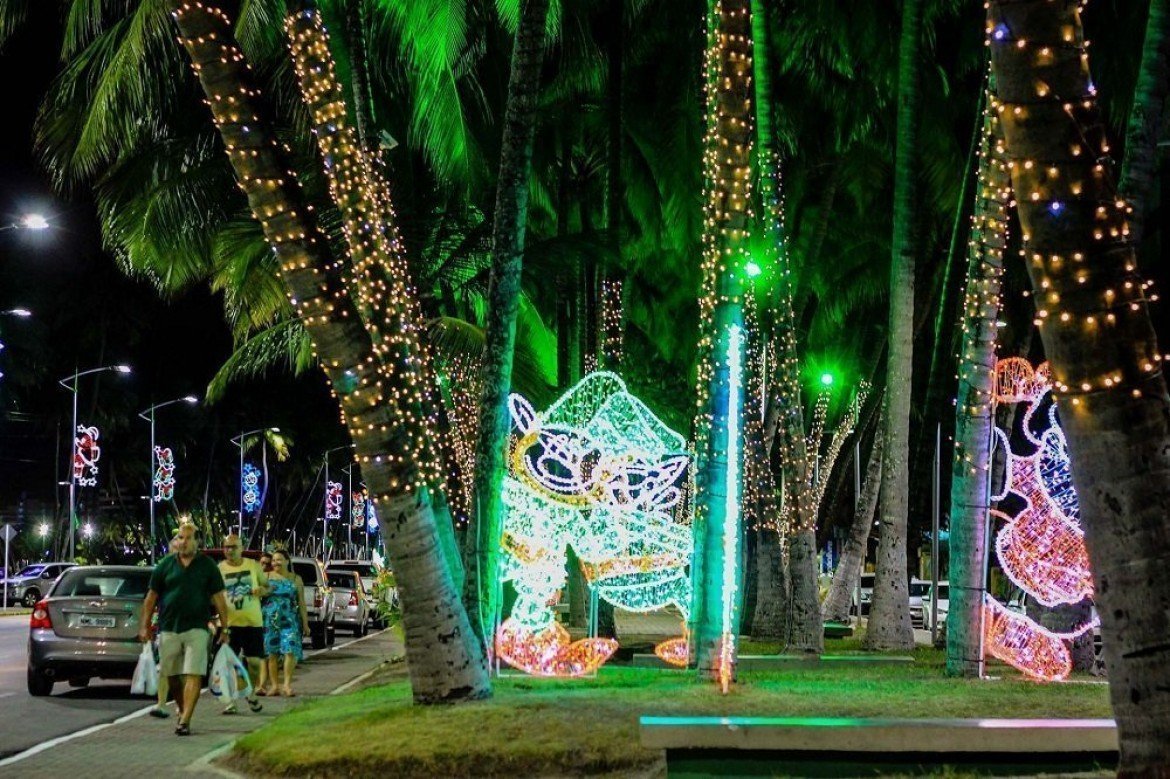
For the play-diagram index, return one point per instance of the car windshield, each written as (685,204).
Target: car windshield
(81,583)
(307,572)
(919,588)
(32,570)
(344,580)
(943,591)
(867,580)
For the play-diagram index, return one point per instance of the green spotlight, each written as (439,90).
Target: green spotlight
(752,269)
(827,379)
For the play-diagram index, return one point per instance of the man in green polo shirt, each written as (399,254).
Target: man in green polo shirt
(188,584)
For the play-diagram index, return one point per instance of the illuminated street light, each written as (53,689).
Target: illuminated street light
(827,379)
(752,269)
(34,222)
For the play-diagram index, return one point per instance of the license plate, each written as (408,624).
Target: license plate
(91,621)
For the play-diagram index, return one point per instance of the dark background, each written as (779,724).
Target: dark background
(86,314)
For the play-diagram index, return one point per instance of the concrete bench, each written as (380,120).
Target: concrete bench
(829,746)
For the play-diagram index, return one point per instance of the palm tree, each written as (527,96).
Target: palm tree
(1144,130)
(974,418)
(727,166)
(1097,334)
(889,616)
(504,298)
(848,573)
(389,435)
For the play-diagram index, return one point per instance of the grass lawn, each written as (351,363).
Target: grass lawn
(545,726)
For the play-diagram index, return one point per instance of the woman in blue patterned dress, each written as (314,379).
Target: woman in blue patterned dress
(285,622)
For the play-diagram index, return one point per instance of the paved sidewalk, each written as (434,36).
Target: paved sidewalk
(137,745)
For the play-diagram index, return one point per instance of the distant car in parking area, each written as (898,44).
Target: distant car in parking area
(368,572)
(918,588)
(86,627)
(932,601)
(866,594)
(28,585)
(351,609)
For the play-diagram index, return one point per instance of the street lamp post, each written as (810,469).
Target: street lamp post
(239,442)
(70,383)
(148,415)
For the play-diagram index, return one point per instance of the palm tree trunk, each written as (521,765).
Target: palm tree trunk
(808,629)
(444,656)
(889,616)
(1104,355)
(848,571)
(1145,119)
(769,618)
(511,219)
(719,467)
(611,339)
(970,487)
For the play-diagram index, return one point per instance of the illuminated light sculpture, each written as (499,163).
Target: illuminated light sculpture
(86,454)
(164,475)
(357,509)
(1041,547)
(250,484)
(600,473)
(334,497)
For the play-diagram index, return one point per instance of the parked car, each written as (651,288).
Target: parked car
(87,626)
(351,608)
(27,586)
(918,588)
(318,601)
(369,575)
(930,602)
(866,594)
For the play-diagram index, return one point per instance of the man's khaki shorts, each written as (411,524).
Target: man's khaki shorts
(183,653)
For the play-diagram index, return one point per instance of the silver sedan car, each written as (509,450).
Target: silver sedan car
(351,608)
(86,627)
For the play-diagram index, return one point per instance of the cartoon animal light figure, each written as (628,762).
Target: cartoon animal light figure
(597,472)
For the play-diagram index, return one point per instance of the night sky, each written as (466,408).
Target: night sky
(87,313)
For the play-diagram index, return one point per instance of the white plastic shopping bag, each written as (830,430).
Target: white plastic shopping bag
(145,681)
(229,676)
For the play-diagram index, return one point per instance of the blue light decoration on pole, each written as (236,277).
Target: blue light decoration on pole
(251,489)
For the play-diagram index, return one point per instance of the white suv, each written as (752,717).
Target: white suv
(318,601)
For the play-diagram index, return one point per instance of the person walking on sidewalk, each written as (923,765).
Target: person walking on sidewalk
(245,582)
(164,687)
(286,621)
(187,584)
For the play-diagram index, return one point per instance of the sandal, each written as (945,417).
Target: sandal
(231,709)
(183,729)
(159,712)
(288,693)
(256,706)
(261,692)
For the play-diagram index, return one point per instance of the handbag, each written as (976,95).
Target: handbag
(145,680)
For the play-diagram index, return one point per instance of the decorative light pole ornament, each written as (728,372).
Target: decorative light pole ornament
(600,473)
(250,484)
(334,497)
(86,454)
(164,475)
(357,509)
(1041,546)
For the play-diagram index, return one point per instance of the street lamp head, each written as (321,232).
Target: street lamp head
(122,368)
(190,399)
(827,379)
(23,313)
(43,529)
(274,429)
(34,222)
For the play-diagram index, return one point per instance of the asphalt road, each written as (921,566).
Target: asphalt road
(26,721)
